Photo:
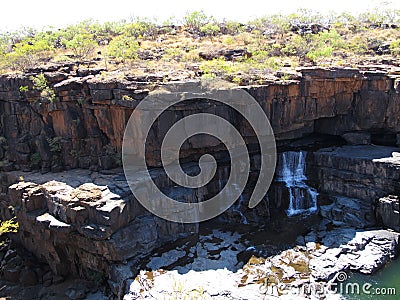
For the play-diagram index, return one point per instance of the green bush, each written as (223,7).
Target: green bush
(395,47)
(55,144)
(8,226)
(123,47)
(140,28)
(218,67)
(35,160)
(320,52)
(82,45)
(40,84)
(26,54)
(210,29)
(296,46)
(232,27)
(196,19)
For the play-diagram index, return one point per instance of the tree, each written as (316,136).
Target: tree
(82,45)
(195,20)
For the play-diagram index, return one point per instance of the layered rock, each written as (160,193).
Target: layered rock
(355,177)
(84,126)
(79,225)
(388,212)
(83,220)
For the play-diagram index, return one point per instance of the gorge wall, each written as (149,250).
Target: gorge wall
(84,126)
(73,203)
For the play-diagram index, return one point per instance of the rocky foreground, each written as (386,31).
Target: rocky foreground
(304,271)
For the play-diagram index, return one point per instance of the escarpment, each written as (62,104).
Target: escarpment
(337,129)
(84,125)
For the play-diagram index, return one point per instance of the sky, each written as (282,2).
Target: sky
(39,13)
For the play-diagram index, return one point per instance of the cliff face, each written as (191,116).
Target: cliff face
(88,219)
(84,126)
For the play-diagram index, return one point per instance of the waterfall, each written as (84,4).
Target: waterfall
(302,198)
(237,207)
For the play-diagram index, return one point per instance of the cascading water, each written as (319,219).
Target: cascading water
(302,198)
(237,207)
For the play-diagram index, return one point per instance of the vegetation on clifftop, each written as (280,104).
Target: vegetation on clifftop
(200,45)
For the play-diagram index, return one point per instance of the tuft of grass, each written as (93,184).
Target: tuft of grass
(9,226)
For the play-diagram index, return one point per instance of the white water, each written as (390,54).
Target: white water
(237,207)
(302,198)
(222,179)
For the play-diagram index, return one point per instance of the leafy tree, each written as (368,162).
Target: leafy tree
(82,45)
(140,28)
(195,20)
(233,27)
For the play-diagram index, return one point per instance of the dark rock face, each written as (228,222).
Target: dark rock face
(362,172)
(388,212)
(355,177)
(87,219)
(84,126)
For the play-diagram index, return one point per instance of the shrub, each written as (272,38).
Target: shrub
(123,47)
(40,84)
(210,29)
(218,67)
(8,226)
(173,54)
(35,160)
(82,45)
(55,144)
(140,28)
(232,27)
(297,46)
(320,52)
(395,47)
(26,54)
(195,20)
(274,63)
(23,88)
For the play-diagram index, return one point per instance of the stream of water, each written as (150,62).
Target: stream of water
(302,197)
(385,284)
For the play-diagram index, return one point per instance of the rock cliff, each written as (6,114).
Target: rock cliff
(82,217)
(84,126)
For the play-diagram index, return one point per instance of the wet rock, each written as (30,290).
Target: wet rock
(361,251)
(75,294)
(165,259)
